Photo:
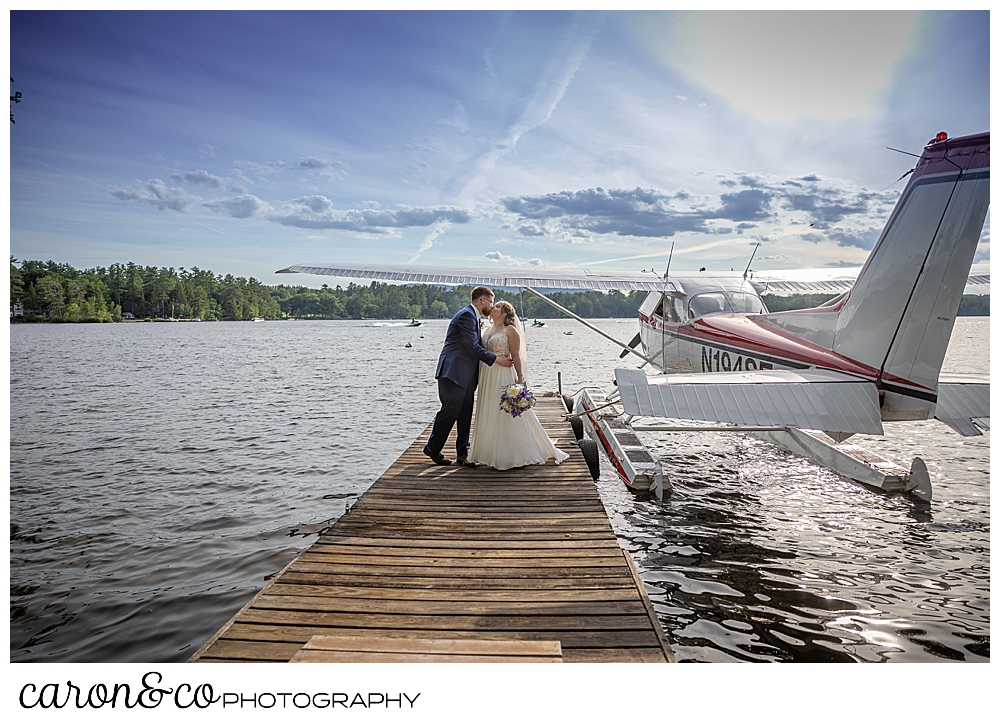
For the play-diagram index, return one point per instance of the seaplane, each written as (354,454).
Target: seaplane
(715,359)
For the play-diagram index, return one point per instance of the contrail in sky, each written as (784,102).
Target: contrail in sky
(539,109)
(437,228)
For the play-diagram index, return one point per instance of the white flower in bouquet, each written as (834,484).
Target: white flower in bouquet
(516,399)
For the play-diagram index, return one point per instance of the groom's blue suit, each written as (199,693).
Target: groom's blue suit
(458,374)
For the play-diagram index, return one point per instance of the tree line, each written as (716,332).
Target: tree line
(50,291)
(58,292)
(388,301)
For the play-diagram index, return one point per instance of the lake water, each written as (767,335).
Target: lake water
(162,473)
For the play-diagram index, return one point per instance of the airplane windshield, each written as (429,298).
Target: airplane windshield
(747,303)
(711,303)
(717,302)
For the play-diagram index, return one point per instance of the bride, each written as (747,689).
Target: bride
(499,440)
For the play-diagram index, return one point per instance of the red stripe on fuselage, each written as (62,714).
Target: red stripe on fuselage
(744,333)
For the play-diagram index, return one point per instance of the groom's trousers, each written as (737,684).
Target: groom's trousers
(456,406)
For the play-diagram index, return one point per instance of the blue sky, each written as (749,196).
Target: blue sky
(244,142)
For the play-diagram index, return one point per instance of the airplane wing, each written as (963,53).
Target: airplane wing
(839,280)
(539,278)
(793,281)
(805,281)
(963,403)
(804,399)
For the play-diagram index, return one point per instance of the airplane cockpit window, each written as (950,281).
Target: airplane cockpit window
(717,302)
(747,303)
(675,312)
(679,311)
(712,303)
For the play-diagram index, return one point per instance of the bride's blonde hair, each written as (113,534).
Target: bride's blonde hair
(509,315)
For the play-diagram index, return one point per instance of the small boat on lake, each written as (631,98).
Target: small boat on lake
(414,322)
(536,322)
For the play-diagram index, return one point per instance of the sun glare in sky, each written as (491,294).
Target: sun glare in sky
(781,67)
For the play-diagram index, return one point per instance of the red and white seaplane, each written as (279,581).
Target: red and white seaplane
(806,379)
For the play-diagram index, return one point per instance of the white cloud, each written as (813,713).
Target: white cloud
(513,261)
(198,178)
(530,229)
(319,212)
(498,257)
(246,206)
(311,163)
(833,209)
(156,193)
(326,169)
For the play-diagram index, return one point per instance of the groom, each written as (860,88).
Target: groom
(458,374)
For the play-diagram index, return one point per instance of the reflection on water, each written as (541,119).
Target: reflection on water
(759,555)
(162,473)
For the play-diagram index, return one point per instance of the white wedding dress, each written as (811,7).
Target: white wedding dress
(499,440)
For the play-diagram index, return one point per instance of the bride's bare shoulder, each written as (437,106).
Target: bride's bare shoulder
(512,332)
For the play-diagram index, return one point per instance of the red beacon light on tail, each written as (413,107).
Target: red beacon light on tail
(941,136)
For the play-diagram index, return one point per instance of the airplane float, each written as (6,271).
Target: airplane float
(806,379)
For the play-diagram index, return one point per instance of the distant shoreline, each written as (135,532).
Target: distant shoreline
(50,292)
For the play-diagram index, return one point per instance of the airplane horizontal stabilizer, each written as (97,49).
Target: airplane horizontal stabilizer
(963,403)
(803,399)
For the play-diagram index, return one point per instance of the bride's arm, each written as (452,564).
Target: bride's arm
(514,342)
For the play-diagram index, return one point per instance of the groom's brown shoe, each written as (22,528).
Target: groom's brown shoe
(464,461)
(437,457)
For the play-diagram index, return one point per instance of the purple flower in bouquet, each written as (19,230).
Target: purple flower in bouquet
(516,400)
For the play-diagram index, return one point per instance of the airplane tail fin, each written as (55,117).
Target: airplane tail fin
(899,315)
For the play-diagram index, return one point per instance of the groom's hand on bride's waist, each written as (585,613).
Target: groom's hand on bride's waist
(505,361)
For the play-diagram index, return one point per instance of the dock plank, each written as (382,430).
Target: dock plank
(447,583)
(477,557)
(572,639)
(369,649)
(291,587)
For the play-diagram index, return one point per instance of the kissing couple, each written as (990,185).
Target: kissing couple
(492,361)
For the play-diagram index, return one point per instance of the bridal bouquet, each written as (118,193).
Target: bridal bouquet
(517,399)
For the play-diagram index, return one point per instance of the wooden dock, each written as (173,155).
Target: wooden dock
(433,556)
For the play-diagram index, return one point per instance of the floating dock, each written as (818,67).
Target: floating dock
(450,563)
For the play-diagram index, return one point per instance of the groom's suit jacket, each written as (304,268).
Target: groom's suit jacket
(463,350)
